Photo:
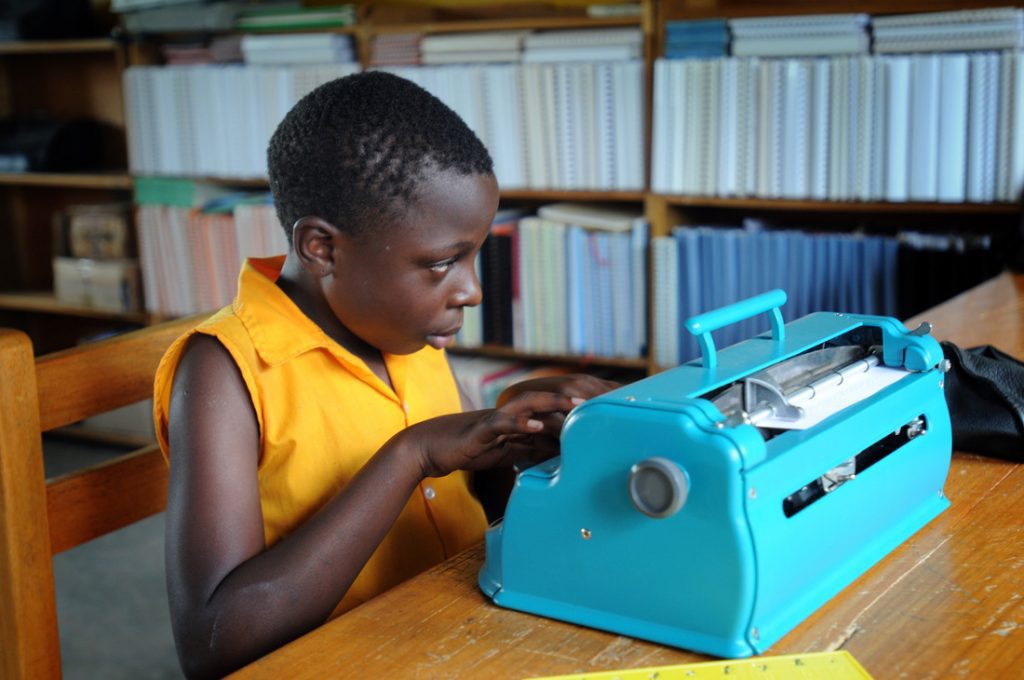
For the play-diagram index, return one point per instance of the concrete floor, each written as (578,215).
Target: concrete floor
(111,598)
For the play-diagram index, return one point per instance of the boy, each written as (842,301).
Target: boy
(318,453)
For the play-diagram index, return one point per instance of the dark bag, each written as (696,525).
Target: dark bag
(984,389)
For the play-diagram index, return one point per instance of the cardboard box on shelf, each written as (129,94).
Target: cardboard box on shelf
(109,285)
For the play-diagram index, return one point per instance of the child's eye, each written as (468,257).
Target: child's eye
(442,267)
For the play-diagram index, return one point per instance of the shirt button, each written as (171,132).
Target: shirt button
(429,493)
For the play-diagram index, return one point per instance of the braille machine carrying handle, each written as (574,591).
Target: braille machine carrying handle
(702,324)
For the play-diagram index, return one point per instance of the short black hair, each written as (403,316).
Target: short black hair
(353,151)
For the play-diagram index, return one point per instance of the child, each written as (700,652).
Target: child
(318,452)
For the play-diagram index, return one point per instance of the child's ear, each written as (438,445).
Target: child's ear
(315,240)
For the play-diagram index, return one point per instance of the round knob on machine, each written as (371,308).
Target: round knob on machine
(658,487)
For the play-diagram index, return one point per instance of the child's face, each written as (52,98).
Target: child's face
(404,285)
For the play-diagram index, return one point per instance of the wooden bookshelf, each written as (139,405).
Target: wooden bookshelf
(760,204)
(45,302)
(48,47)
(506,24)
(98,180)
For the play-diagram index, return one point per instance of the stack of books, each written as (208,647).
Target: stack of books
(698,269)
(982,29)
(299,48)
(609,44)
(572,279)
(471,48)
(191,255)
(928,127)
(791,36)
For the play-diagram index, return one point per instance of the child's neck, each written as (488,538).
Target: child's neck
(306,297)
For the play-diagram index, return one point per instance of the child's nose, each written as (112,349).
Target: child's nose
(469,293)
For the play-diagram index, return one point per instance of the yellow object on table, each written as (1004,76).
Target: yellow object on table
(832,665)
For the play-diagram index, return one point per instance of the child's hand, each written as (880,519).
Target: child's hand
(579,387)
(477,440)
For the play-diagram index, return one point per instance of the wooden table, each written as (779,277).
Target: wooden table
(947,603)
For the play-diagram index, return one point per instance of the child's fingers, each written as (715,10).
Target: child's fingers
(539,403)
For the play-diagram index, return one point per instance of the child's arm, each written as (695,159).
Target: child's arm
(232,599)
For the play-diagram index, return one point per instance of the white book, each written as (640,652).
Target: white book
(663,134)
(879,103)
(710,140)
(481,56)
(549,126)
(820,130)
(796,127)
(607,161)
(665,301)
(953,17)
(952,139)
(575,54)
(854,129)
(533,103)
(978,113)
(866,95)
(924,127)
(681,121)
(798,24)
(471,42)
(636,125)
(583,38)
(565,135)
(696,129)
(839,131)
(1016,132)
(638,285)
(726,183)
(806,46)
(590,215)
(752,85)
(897,128)
(585,90)
(622,303)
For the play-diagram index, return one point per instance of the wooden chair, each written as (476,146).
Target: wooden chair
(40,518)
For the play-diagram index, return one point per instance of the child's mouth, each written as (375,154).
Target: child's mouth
(440,341)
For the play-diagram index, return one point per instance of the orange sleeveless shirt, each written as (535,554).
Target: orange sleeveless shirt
(311,446)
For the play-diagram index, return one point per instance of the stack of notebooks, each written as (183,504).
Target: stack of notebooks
(577,275)
(698,269)
(791,36)
(550,126)
(298,48)
(190,257)
(185,121)
(982,29)
(609,44)
(921,127)
(699,38)
(395,49)
(471,48)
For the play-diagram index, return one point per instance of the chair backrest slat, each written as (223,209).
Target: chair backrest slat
(28,609)
(106,497)
(118,372)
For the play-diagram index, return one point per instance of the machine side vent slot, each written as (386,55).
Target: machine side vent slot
(850,468)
